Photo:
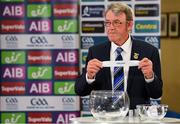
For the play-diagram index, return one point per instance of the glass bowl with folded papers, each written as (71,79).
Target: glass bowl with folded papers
(108,106)
(152,112)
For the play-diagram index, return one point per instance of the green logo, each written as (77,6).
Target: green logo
(66,26)
(12,0)
(13,57)
(39,10)
(13,118)
(39,72)
(64,87)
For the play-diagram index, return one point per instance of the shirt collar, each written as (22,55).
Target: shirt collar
(125,46)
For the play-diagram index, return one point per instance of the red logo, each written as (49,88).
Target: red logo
(42,117)
(65,10)
(66,72)
(39,57)
(12,88)
(12,26)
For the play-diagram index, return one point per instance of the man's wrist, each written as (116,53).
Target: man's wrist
(149,80)
(89,81)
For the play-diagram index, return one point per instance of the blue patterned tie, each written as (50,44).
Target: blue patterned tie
(118,73)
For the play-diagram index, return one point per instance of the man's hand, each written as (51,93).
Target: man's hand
(93,67)
(146,67)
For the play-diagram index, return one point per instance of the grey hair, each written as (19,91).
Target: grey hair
(118,8)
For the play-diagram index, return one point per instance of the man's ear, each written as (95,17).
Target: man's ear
(130,25)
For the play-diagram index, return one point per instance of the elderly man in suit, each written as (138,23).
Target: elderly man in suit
(143,81)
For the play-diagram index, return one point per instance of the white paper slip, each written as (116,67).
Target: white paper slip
(120,63)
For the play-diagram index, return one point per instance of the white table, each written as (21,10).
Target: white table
(91,120)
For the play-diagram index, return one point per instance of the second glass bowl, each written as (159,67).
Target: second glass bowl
(152,112)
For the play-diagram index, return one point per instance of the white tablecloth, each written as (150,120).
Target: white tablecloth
(91,120)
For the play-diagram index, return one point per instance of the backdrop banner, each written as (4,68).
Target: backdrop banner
(43,49)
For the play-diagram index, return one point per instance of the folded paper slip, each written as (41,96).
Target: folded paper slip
(120,63)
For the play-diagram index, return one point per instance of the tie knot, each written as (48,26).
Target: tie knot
(119,50)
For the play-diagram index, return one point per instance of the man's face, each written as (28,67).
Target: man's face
(117,27)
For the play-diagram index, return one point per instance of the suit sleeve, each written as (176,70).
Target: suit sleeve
(82,88)
(154,89)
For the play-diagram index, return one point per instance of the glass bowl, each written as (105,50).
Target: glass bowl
(152,112)
(108,105)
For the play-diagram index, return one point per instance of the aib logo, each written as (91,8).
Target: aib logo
(13,72)
(38,102)
(67,57)
(39,26)
(40,88)
(13,11)
(38,40)
(63,118)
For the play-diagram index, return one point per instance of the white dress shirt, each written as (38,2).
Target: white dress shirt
(126,55)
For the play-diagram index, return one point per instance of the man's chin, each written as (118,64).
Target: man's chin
(112,39)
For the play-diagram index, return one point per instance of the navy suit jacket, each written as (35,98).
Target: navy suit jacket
(138,89)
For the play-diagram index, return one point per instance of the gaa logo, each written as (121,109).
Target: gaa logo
(39,102)
(11,100)
(151,39)
(11,38)
(67,38)
(88,40)
(85,101)
(38,40)
(67,100)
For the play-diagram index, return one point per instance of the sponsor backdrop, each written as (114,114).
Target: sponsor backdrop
(44,44)
(39,61)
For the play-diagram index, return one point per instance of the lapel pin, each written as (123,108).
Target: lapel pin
(136,55)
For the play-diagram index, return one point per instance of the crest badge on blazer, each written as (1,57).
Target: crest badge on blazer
(136,55)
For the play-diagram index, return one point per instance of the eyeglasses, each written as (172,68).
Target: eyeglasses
(115,23)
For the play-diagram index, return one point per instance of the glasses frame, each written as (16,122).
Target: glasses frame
(115,23)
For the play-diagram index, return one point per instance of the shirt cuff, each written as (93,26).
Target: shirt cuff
(89,81)
(149,80)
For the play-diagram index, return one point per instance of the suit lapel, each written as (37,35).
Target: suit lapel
(106,57)
(134,56)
